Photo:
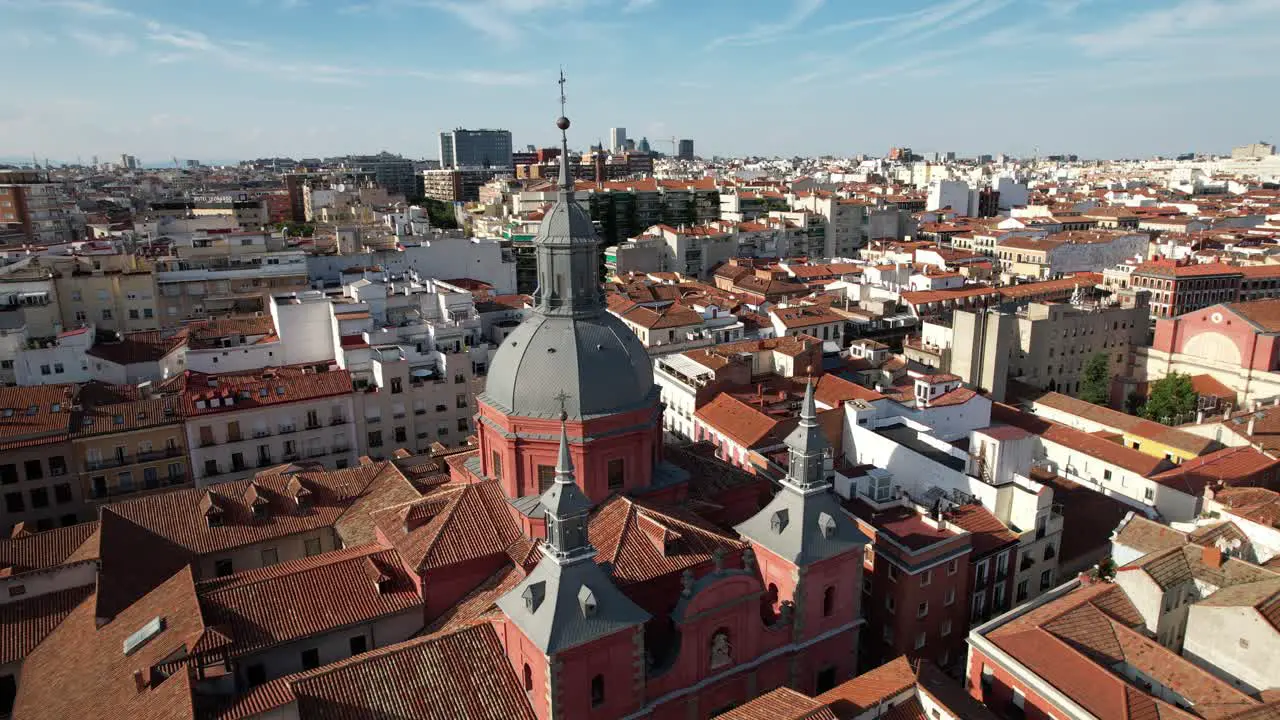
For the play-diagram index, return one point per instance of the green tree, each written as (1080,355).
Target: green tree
(1095,387)
(1172,399)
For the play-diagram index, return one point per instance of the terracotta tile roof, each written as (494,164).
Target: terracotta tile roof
(140,347)
(1207,385)
(32,416)
(672,316)
(1263,596)
(262,608)
(956,396)
(1168,269)
(104,676)
(922,297)
(208,334)
(416,679)
(269,386)
(451,525)
(1228,466)
(26,622)
(1148,536)
(145,539)
(1259,505)
(108,409)
(987,533)
(1263,314)
(481,604)
(780,704)
(1048,287)
(643,541)
(869,689)
(1128,424)
(48,549)
(1185,563)
(744,423)
(833,390)
(1104,450)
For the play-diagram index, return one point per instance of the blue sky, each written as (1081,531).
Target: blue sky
(226,79)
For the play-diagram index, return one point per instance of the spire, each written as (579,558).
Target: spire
(807,446)
(562,122)
(566,508)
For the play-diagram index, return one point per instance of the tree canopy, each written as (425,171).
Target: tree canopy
(1095,386)
(1172,400)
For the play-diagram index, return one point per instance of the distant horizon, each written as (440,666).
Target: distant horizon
(773,78)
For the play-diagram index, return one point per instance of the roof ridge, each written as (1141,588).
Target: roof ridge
(256,576)
(445,520)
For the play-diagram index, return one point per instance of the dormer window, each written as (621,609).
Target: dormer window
(118,419)
(587,601)
(263,392)
(778,522)
(533,595)
(827,525)
(280,390)
(33,409)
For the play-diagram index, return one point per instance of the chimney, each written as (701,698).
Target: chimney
(1252,420)
(1211,556)
(141,680)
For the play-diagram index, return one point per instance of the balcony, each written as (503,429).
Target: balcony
(169,452)
(313,425)
(261,433)
(341,450)
(287,429)
(317,452)
(110,462)
(290,457)
(337,421)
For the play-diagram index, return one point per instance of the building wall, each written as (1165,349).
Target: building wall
(250,557)
(1217,335)
(159,450)
(286,658)
(1235,643)
(35,500)
(332,445)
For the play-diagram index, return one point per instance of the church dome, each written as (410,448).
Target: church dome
(570,353)
(596,361)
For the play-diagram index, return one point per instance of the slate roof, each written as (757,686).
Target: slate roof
(803,527)
(268,606)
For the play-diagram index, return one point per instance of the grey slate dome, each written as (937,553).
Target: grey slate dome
(596,361)
(570,353)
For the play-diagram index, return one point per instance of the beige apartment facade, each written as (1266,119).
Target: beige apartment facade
(121,449)
(114,292)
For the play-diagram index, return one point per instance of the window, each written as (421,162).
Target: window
(270,556)
(33,469)
(358,644)
(890,605)
(597,691)
(826,679)
(886,634)
(892,572)
(922,609)
(400,434)
(1046,579)
(463,426)
(62,493)
(953,567)
(313,547)
(8,474)
(920,640)
(546,476)
(617,468)
(255,674)
(222,568)
(375,438)
(14,503)
(950,597)
(828,601)
(106,313)
(528,678)
(460,401)
(396,386)
(17,590)
(495,464)
(926,578)
(1149,493)
(39,497)
(1106,474)
(310,659)
(946,627)
(1022,591)
(866,585)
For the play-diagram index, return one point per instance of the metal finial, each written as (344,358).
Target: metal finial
(562,91)
(563,397)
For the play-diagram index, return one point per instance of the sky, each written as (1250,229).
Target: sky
(220,80)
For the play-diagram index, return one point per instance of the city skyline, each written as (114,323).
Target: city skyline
(1096,78)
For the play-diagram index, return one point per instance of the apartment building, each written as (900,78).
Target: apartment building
(128,439)
(35,205)
(1068,252)
(1177,287)
(222,274)
(37,479)
(101,285)
(237,423)
(847,225)
(410,399)
(1045,345)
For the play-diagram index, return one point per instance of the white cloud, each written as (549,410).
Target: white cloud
(801,10)
(109,44)
(1189,19)
(638,5)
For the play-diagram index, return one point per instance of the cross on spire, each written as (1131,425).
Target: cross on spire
(563,397)
(562,91)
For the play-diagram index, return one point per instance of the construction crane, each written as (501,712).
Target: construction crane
(674,144)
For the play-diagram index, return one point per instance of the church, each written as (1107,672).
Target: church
(646,594)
